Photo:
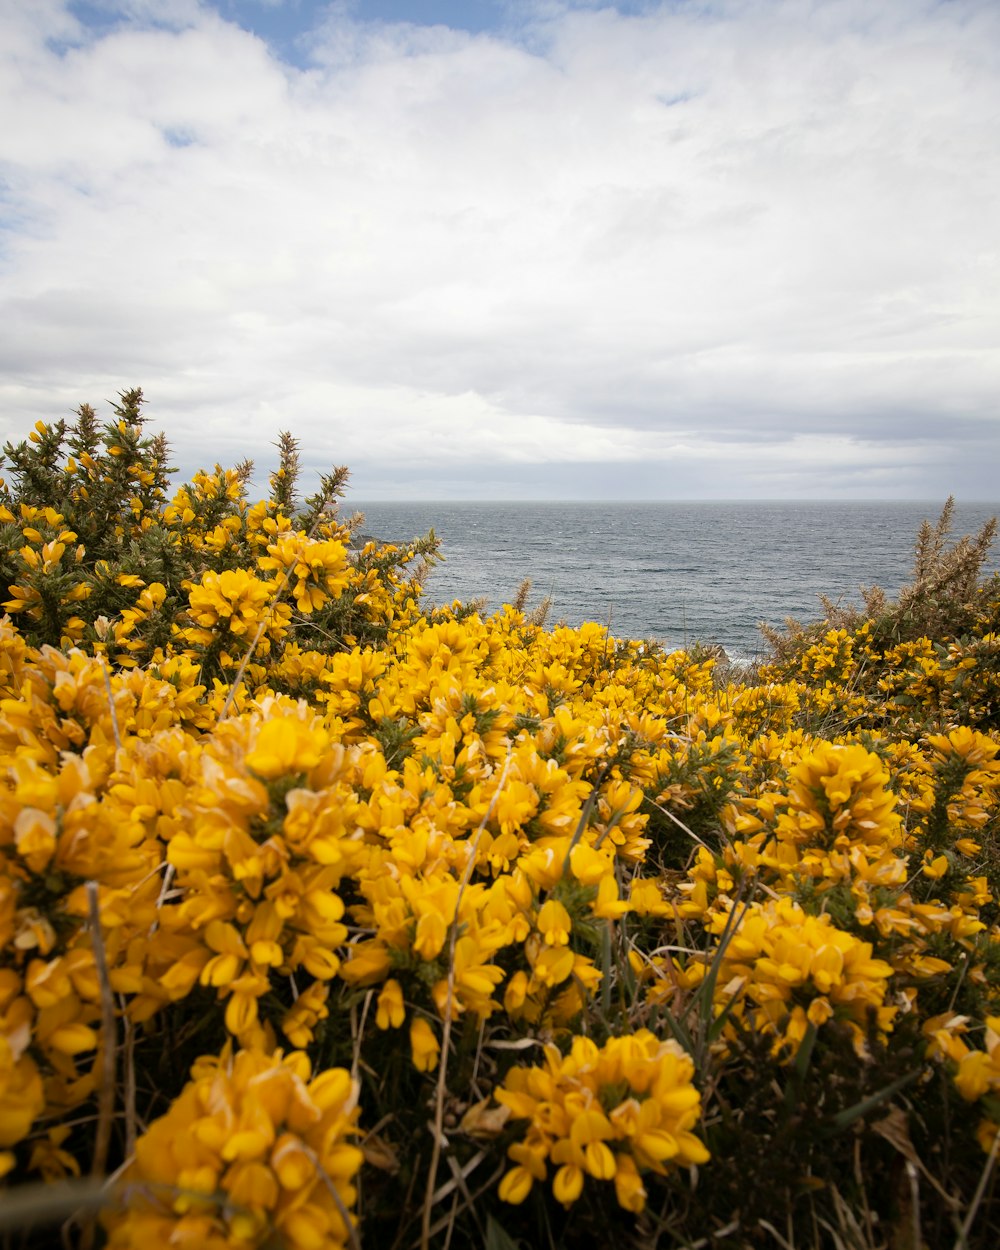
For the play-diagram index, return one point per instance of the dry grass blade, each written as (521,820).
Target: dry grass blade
(248,656)
(442,1084)
(713,1239)
(680,825)
(782,1241)
(111,706)
(448,1219)
(131,1132)
(931,539)
(359,1034)
(47,1202)
(584,820)
(540,615)
(913,1183)
(109,1041)
(894,1129)
(962,1240)
(849,1234)
(352,1233)
(458,1179)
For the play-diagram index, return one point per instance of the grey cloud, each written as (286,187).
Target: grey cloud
(687,236)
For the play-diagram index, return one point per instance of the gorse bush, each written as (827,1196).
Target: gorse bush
(331,918)
(949,595)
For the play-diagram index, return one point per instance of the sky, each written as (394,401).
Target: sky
(515,249)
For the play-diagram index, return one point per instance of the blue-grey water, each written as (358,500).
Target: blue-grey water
(677,572)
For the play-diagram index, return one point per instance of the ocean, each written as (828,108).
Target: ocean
(678,572)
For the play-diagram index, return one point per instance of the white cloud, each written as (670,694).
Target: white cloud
(756,239)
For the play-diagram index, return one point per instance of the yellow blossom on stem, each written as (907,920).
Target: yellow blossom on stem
(255,1146)
(607,1113)
(424,1045)
(391,1008)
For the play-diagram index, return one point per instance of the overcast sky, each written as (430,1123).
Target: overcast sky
(536,249)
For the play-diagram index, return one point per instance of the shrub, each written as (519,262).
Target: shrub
(329,917)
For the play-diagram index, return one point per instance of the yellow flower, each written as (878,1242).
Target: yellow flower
(554,923)
(285,745)
(424,1045)
(552,966)
(516,1185)
(368,962)
(316,567)
(21,1095)
(977,1073)
(607,905)
(299,1022)
(935,867)
(49,1158)
(567,1184)
(590,867)
(35,838)
(629,1189)
(391,1009)
(646,898)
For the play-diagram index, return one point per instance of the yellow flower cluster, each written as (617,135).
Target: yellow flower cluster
(318,569)
(610,1113)
(976,1070)
(253,1150)
(784,969)
(48,589)
(834,835)
(418,843)
(834,821)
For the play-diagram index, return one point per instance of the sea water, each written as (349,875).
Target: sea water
(676,572)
